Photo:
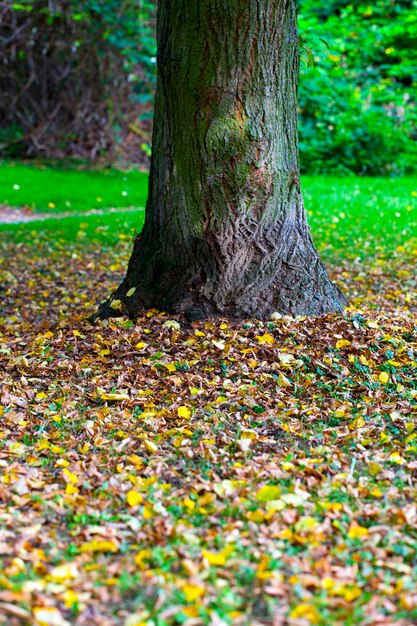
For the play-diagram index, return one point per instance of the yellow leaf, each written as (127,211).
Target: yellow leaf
(307,611)
(70,490)
(220,400)
(72,478)
(226,487)
(267,338)
(130,292)
(374,468)
(41,395)
(114,397)
(351,593)
(327,583)
(140,345)
(190,504)
(256,516)
(56,450)
(185,412)
(140,558)
(62,463)
(148,512)
(170,367)
(136,460)
(208,498)
(247,433)
(283,380)
(342,343)
(193,592)
(397,459)
(150,446)
(286,533)
(62,573)
(384,377)
(268,493)
(98,545)
(214,558)
(70,598)
(116,305)
(357,532)
(357,423)
(133,498)
(306,524)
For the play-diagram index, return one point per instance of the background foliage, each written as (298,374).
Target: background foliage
(71,76)
(358,100)
(77,79)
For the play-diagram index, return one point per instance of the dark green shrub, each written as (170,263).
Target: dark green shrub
(358,99)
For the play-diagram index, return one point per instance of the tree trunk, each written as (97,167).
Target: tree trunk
(226,230)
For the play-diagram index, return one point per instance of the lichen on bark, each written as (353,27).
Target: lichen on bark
(226,230)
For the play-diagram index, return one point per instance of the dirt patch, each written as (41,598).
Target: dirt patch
(17,215)
(12,215)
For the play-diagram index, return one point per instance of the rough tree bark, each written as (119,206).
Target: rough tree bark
(226,230)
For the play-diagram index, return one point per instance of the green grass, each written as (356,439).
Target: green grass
(51,189)
(107,228)
(357,216)
(361,215)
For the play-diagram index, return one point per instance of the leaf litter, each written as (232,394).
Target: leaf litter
(158,473)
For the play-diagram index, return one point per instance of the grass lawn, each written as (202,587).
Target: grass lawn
(48,189)
(215,474)
(360,215)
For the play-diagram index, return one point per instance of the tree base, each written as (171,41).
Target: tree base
(292,291)
(226,233)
